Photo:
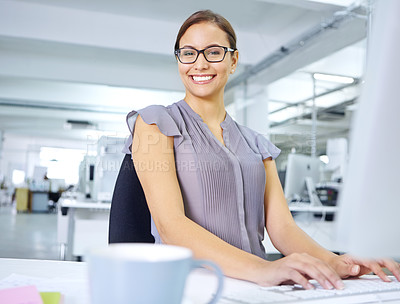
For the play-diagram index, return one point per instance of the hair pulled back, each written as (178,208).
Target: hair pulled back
(211,17)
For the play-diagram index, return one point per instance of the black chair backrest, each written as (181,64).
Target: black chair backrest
(129,215)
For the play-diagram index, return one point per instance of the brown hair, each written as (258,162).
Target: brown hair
(208,16)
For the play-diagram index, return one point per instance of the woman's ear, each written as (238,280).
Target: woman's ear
(235,59)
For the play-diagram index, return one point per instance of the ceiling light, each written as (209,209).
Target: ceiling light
(78,124)
(333,78)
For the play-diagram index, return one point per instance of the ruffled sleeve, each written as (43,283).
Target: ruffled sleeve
(266,148)
(259,143)
(157,115)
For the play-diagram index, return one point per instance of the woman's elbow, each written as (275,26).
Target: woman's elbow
(171,229)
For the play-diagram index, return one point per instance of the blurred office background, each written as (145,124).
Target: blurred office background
(71,70)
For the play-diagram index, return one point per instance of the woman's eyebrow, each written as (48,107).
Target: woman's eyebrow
(213,44)
(187,46)
(192,47)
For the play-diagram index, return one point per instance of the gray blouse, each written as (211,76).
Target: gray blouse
(222,186)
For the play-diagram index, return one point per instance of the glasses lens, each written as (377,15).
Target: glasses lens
(187,55)
(214,53)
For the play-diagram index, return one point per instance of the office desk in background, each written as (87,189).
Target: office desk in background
(33,200)
(81,225)
(39,201)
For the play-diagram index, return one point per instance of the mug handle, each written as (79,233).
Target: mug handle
(218,273)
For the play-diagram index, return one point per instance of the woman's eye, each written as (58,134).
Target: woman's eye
(214,52)
(188,53)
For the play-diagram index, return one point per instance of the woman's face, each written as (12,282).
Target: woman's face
(203,79)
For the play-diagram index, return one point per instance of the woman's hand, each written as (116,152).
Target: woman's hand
(299,268)
(349,266)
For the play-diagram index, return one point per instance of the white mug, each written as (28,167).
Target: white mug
(143,273)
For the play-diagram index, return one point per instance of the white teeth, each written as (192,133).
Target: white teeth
(202,78)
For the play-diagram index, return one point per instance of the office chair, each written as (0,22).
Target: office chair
(129,214)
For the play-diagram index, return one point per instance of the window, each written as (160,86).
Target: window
(62,163)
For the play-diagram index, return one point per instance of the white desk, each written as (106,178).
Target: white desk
(81,225)
(71,279)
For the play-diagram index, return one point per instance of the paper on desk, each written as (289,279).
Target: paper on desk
(75,291)
(20,295)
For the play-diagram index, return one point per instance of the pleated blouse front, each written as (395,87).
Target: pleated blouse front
(222,185)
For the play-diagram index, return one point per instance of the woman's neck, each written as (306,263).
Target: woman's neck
(211,111)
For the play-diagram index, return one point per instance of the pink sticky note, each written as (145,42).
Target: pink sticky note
(20,295)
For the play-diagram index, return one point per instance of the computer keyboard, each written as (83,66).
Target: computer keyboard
(368,289)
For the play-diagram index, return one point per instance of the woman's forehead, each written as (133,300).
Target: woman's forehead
(203,34)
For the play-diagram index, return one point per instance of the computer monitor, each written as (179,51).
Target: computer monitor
(369,207)
(300,169)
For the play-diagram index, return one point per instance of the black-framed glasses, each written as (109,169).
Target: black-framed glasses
(211,54)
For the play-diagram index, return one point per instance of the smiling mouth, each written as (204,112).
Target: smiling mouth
(202,78)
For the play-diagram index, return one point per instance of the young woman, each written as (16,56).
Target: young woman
(211,184)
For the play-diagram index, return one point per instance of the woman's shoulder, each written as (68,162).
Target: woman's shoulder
(249,134)
(246,130)
(154,110)
(163,116)
(158,112)
(259,142)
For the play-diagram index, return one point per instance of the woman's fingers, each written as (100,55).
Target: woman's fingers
(377,269)
(375,266)
(316,269)
(333,279)
(298,278)
(346,268)
(299,268)
(392,266)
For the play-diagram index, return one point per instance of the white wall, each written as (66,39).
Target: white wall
(251,107)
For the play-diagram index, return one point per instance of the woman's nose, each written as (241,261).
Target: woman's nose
(201,62)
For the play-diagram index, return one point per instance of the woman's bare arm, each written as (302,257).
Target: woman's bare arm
(286,236)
